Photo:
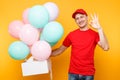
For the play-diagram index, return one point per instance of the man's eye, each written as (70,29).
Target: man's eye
(81,17)
(77,18)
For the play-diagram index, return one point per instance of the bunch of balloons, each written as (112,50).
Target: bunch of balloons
(36,33)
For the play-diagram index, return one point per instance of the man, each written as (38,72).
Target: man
(83,42)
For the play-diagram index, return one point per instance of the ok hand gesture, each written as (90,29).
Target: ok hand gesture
(95,22)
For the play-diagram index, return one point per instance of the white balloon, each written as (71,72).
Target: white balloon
(52,10)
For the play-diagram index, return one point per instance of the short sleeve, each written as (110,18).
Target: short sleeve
(67,41)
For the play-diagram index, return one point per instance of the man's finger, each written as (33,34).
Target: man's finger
(92,16)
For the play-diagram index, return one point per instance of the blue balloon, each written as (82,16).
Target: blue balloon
(52,32)
(41,37)
(38,16)
(51,43)
(18,50)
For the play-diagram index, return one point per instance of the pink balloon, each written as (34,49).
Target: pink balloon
(14,28)
(41,50)
(25,16)
(29,34)
(52,9)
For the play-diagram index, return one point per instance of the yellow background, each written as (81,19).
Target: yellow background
(107,63)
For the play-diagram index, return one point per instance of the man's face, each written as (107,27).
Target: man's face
(81,20)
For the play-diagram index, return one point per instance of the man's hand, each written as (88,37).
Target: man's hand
(95,22)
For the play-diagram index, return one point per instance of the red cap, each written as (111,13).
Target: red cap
(81,11)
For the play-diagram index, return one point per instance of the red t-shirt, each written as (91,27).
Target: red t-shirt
(82,53)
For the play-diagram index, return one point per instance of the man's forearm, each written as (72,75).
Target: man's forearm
(103,40)
(58,51)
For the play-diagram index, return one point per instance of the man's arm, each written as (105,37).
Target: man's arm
(103,43)
(58,51)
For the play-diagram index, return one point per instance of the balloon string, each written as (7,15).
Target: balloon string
(50,68)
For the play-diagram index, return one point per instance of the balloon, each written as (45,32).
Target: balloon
(18,50)
(38,16)
(29,34)
(52,32)
(41,37)
(51,43)
(52,10)
(14,28)
(41,50)
(25,16)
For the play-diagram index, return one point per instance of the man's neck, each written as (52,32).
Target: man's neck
(84,28)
